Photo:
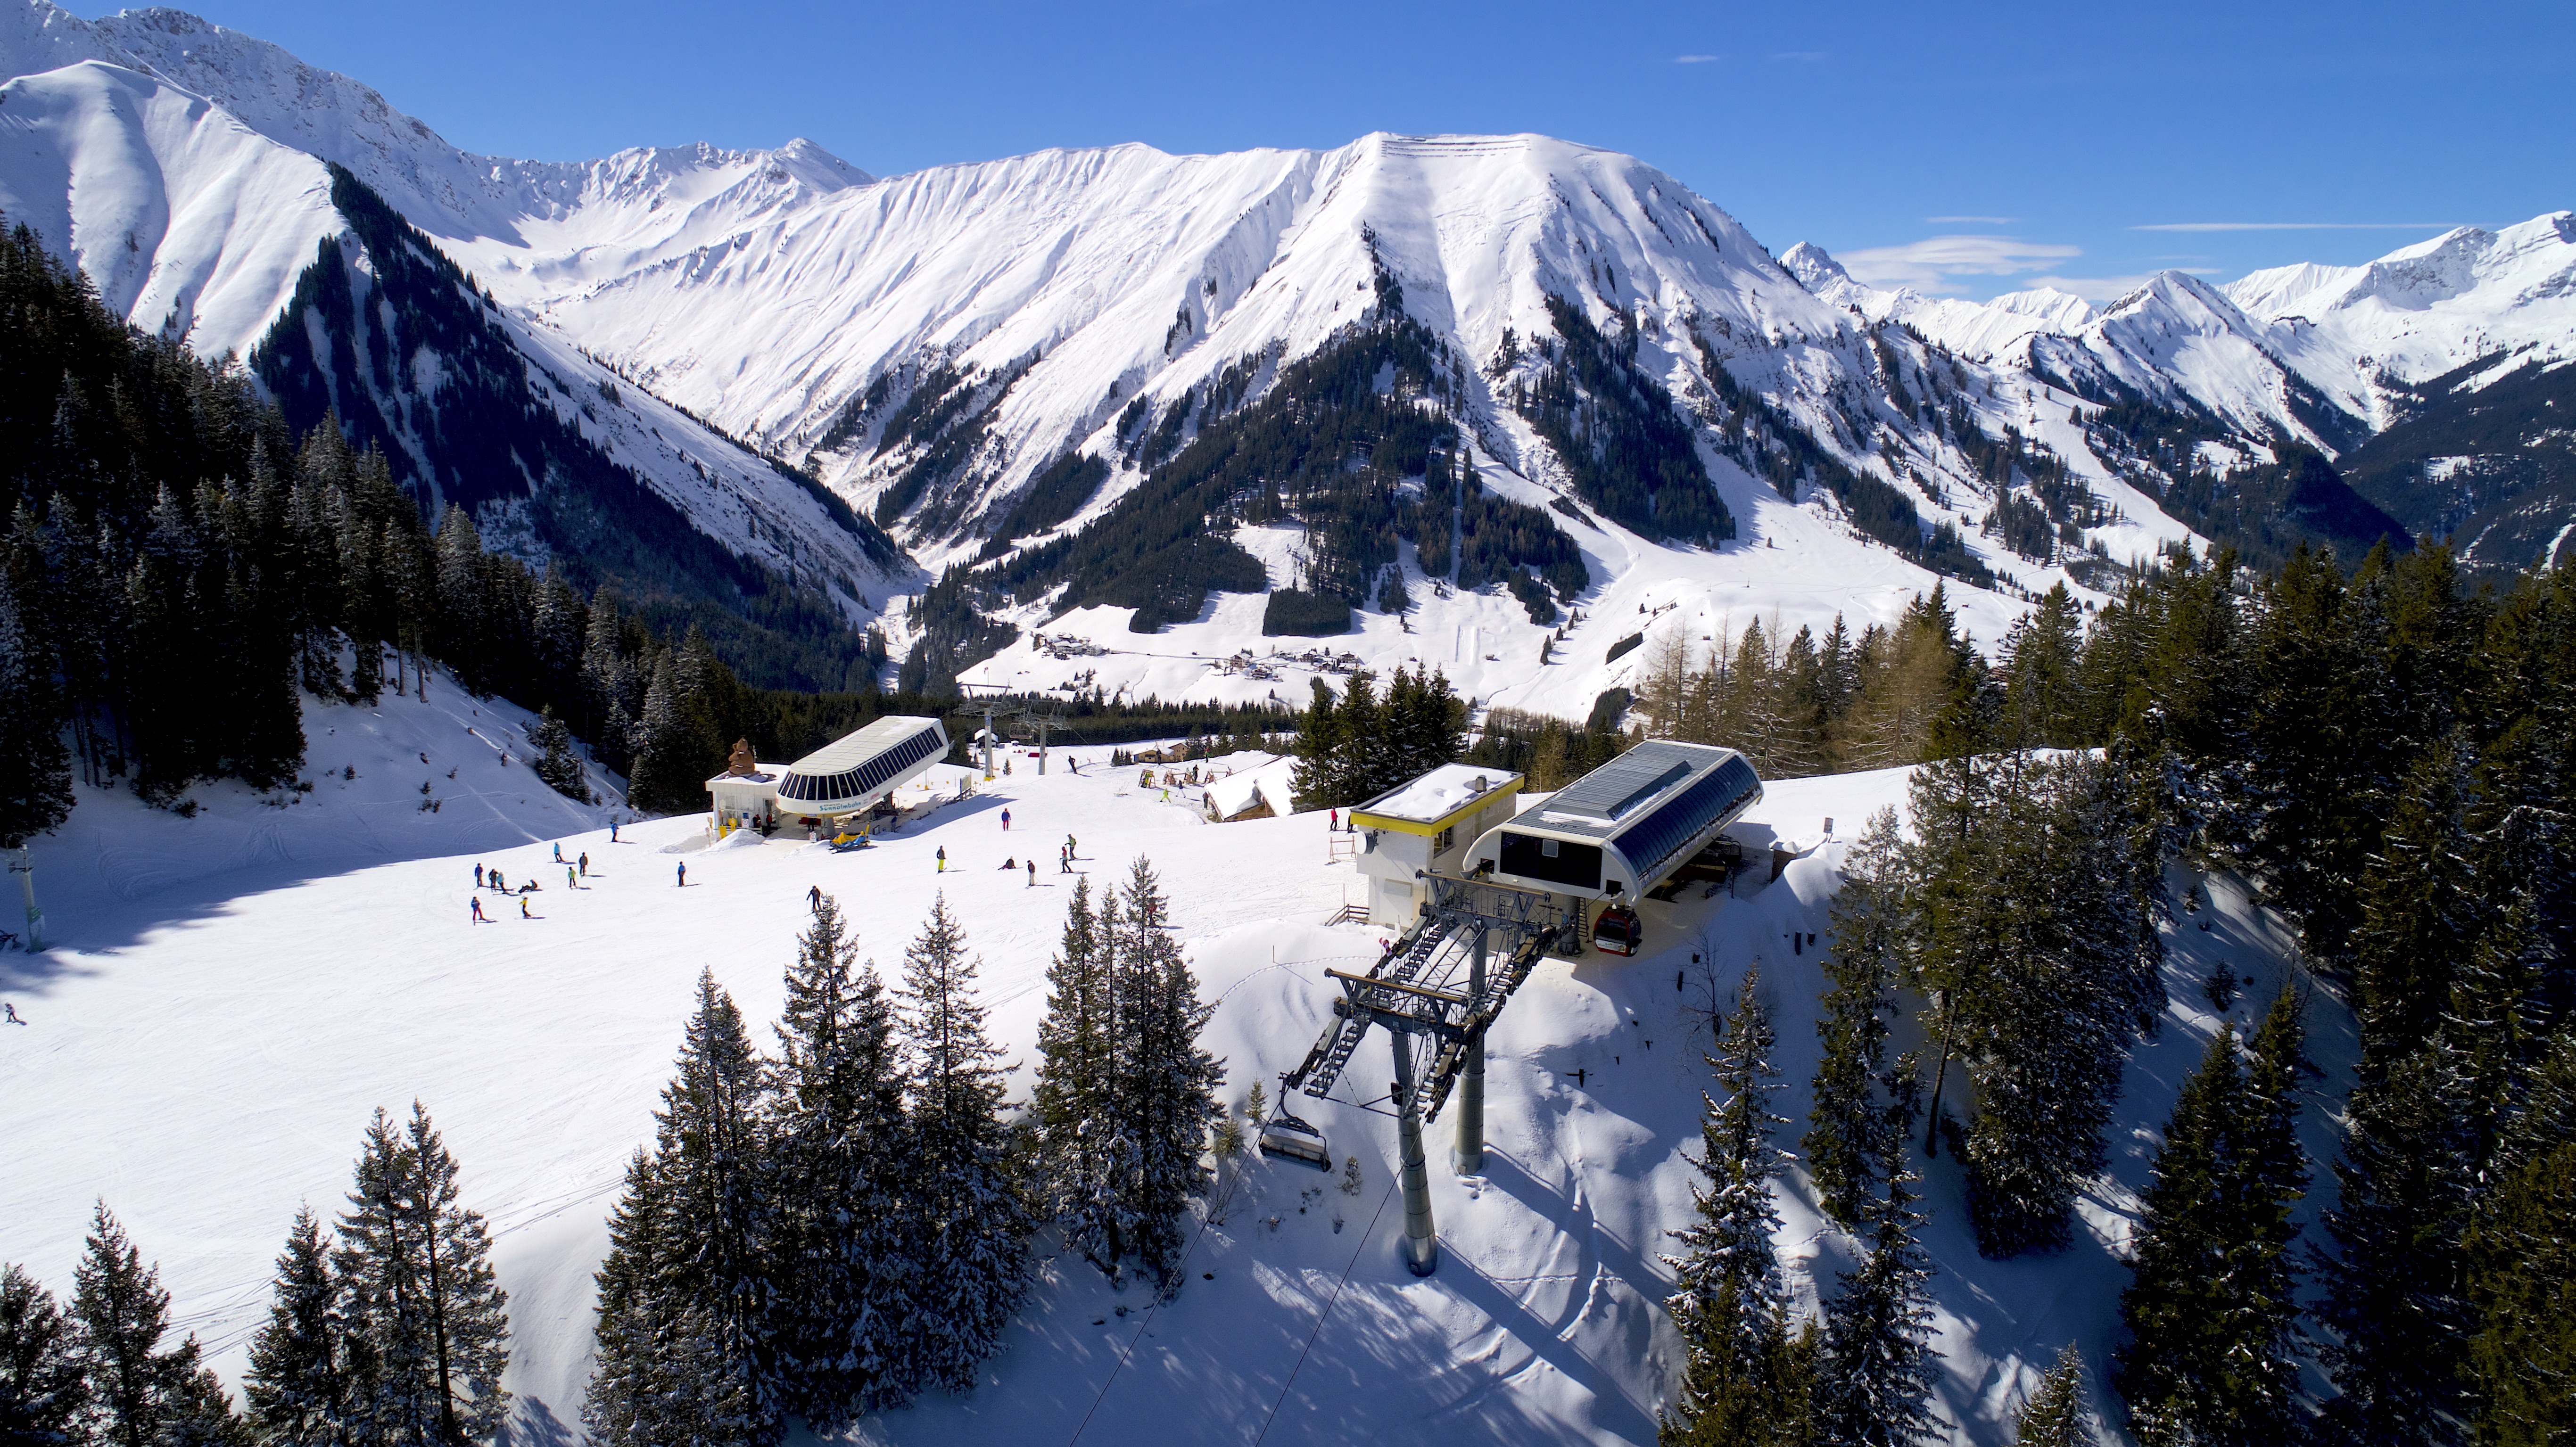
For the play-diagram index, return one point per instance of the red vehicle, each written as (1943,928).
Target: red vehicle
(1618,931)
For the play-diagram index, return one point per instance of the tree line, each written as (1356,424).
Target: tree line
(1355,745)
(840,1226)
(2382,753)
(387,1330)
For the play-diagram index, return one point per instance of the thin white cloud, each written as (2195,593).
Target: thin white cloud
(1970,220)
(2297,226)
(1929,265)
(1695,59)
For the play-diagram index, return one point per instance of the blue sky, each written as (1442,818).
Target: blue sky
(1966,150)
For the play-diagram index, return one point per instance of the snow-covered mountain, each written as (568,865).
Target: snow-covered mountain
(989,358)
(168,159)
(2391,367)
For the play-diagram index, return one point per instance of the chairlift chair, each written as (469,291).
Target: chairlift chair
(1286,1138)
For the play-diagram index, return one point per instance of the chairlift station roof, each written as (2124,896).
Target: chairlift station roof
(1626,826)
(1437,800)
(857,769)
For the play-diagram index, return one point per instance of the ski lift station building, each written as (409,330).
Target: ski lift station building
(1425,827)
(1624,828)
(841,780)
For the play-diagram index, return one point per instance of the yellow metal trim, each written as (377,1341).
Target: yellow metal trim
(1366,820)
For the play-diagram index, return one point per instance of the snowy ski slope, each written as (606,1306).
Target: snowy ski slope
(204,1047)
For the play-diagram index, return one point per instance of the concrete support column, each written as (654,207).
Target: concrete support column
(1467,1157)
(1421,1239)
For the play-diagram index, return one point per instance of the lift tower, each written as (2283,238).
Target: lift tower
(1436,994)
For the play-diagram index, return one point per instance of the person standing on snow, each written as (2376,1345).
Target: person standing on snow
(943,859)
(523,909)
(11,1011)
(478,876)
(1006,821)
(612,831)
(1033,871)
(569,881)
(814,897)
(478,911)
(558,851)
(585,864)
(684,874)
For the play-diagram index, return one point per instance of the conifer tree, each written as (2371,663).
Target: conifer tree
(838,1148)
(1314,782)
(428,1320)
(664,776)
(2522,1359)
(636,1329)
(2418,902)
(1729,1301)
(295,1387)
(972,1256)
(2210,1311)
(2395,1306)
(558,762)
(1167,1082)
(44,1396)
(714,1293)
(1074,1102)
(2056,1414)
(138,1391)
(1875,1373)
(35,768)
(1849,1137)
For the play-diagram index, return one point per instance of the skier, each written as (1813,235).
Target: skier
(1332,820)
(1033,871)
(1068,846)
(943,859)
(523,910)
(1010,864)
(684,874)
(478,876)
(585,864)
(569,881)
(11,1012)
(1006,821)
(559,852)
(814,897)
(479,917)
(612,831)
(1065,863)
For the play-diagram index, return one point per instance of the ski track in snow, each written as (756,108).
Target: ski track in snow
(230,996)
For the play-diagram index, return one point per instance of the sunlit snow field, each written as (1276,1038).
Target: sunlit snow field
(231,995)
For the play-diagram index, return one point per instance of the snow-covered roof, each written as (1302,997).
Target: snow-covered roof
(1235,793)
(1436,798)
(857,765)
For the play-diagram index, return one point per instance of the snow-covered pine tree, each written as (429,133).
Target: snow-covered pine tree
(635,1327)
(1729,1302)
(716,1299)
(427,1320)
(1168,1083)
(663,776)
(2211,1310)
(558,762)
(1073,1104)
(295,1387)
(2395,1310)
(2523,1357)
(2056,1414)
(137,1391)
(43,1392)
(2420,900)
(1849,1138)
(973,1261)
(841,1254)
(1875,1373)
(35,768)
